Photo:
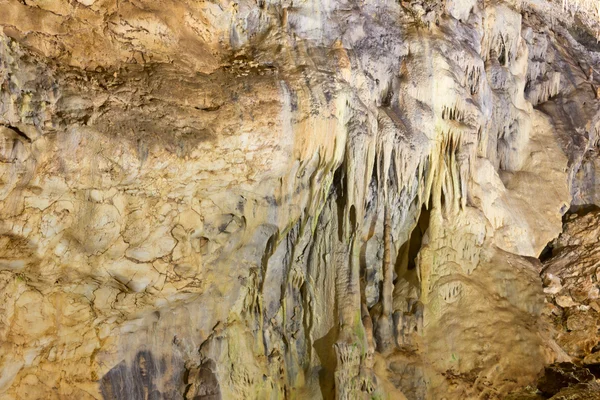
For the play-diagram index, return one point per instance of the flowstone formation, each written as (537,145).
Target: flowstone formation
(304,200)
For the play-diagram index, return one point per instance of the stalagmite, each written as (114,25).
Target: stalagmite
(384,323)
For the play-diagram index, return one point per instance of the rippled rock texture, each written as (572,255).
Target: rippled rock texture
(315,199)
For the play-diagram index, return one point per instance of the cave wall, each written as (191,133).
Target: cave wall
(323,199)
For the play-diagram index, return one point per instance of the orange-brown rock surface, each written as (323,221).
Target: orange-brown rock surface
(571,283)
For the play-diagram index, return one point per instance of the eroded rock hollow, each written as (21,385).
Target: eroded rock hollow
(313,199)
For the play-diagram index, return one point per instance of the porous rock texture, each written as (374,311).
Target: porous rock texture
(293,199)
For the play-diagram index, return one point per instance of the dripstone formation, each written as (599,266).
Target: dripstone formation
(310,199)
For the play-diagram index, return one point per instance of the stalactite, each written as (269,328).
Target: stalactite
(542,90)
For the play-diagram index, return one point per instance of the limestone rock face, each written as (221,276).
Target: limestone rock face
(323,199)
(571,282)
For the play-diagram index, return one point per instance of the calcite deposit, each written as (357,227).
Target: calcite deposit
(313,199)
